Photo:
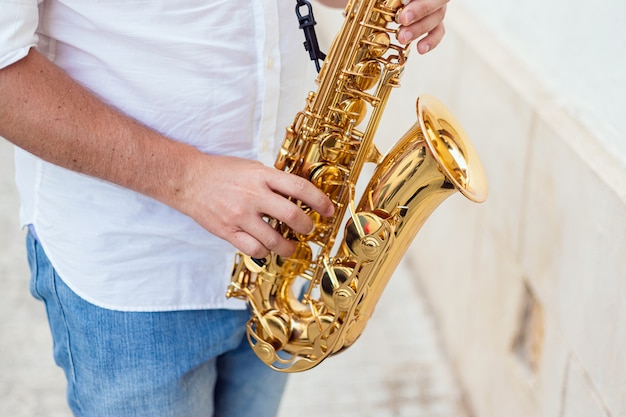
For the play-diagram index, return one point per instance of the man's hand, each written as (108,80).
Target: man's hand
(422,19)
(230,196)
(418,18)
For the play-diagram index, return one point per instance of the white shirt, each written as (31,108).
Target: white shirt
(222,76)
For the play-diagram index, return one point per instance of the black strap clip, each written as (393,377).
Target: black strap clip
(307,24)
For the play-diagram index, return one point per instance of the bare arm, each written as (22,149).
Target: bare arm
(48,114)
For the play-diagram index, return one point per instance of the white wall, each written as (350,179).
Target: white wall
(577,48)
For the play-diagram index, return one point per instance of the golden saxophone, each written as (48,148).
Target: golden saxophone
(311,305)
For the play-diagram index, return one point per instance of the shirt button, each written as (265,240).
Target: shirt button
(270,63)
(264,146)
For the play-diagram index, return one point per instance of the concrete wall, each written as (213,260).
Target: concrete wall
(577,48)
(529,288)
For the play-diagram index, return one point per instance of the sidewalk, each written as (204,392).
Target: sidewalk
(395,369)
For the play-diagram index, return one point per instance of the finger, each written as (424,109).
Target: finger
(421,27)
(303,190)
(416,10)
(287,212)
(431,40)
(271,239)
(248,245)
(258,239)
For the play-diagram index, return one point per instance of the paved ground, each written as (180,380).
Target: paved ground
(395,369)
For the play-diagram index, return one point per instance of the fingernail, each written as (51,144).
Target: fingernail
(405,2)
(405,36)
(408,17)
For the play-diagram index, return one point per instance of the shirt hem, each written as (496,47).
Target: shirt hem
(228,304)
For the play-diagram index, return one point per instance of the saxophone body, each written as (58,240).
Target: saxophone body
(313,304)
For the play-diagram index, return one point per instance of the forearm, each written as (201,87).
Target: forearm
(48,114)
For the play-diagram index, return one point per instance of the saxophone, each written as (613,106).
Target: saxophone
(311,305)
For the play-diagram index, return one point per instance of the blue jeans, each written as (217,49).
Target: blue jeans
(166,364)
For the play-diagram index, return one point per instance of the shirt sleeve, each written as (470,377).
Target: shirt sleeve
(18,27)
